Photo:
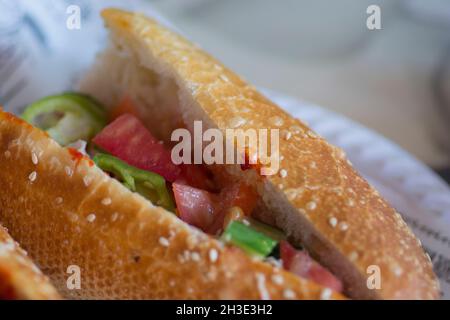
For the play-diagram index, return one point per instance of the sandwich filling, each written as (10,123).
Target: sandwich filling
(120,144)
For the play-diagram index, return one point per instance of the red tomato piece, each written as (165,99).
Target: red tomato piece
(237,195)
(129,140)
(287,252)
(206,210)
(240,195)
(321,275)
(197,176)
(195,206)
(300,263)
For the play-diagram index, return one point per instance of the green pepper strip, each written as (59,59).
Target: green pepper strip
(137,180)
(79,111)
(248,239)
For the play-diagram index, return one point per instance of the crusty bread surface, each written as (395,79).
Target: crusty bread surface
(316,197)
(20,278)
(67,212)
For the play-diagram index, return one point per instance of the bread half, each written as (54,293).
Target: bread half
(20,278)
(317,198)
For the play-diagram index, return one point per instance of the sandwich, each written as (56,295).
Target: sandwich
(20,278)
(108,185)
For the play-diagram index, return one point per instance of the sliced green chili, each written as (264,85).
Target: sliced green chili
(67,117)
(248,239)
(148,184)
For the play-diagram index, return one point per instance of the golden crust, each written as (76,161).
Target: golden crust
(19,277)
(65,211)
(317,179)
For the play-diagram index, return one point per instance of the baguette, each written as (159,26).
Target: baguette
(20,278)
(132,249)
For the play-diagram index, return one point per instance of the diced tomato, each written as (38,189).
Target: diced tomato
(300,263)
(237,195)
(195,206)
(128,139)
(126,105)
(240,195)
(287,252)
(197,176)
(207,210)
(322,276)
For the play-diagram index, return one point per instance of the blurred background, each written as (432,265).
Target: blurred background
(395,80)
